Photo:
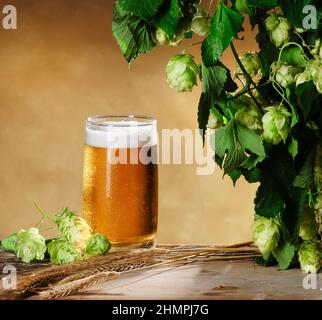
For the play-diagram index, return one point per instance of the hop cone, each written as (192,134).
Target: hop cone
(308,225)
(215,120)
(266,235)
(285,75)
(302,77)
(74,228)
(309,256)
(250,117)
(9,243)
(276,124)
(161,37)
(96,245)
(30,245)
(251,63)
(182,72)
(278,28)
(201,23)
(62,251)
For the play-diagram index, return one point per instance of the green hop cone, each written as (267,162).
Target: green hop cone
(251,63)
(266,235)
(74,228)
(317,79)
(201,22)
(9,243)
(317,48)
(278,28)
(182,72)
(248,114)
(310,256)
(161,37)
(285,75)
(30,245)
(308,226)
(215,119)
(302,77)
(62,251)
(313,67)
(97,245)
(242,6)
(276,124)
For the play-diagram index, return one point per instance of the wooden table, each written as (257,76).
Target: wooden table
(166,272)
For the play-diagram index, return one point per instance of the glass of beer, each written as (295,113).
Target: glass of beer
(120,189)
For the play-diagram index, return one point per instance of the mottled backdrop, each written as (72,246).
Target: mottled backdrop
(62,65)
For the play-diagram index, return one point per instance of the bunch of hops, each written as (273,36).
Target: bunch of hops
(278,28)
(74,228)
(276,124)
(30,245)
(309,255)
(248,115)
(252,65)
(182,72)
(201,22)
(266,234)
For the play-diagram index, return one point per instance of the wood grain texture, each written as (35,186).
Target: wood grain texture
(166,272)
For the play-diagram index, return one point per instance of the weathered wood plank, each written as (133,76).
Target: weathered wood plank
(166,272)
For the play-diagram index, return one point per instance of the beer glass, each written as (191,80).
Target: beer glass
(120,180)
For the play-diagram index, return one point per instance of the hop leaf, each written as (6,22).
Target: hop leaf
(62,251)
(308,226)
(96,245)
(9,243)
(276,124)
(30,245)
(182,72)
(266,235)
(74,228)
(309,256)
(278,28)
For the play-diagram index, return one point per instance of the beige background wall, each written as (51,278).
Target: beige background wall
(63,65)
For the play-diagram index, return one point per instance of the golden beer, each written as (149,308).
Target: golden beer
(120,189)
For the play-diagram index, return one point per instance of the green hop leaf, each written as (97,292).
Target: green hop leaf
(97,245)
(251,63)
(248,115)
(74,228)
(30,245)
(309,256)
(9,243)
(276,124)
(225,25)
(62,251)
(182,72)
(278,28)
(242,6)
(308,226)
(266,235)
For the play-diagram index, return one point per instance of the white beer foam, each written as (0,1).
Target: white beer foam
(124,134)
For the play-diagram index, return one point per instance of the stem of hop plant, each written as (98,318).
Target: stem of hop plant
(246,75)
(44,215)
